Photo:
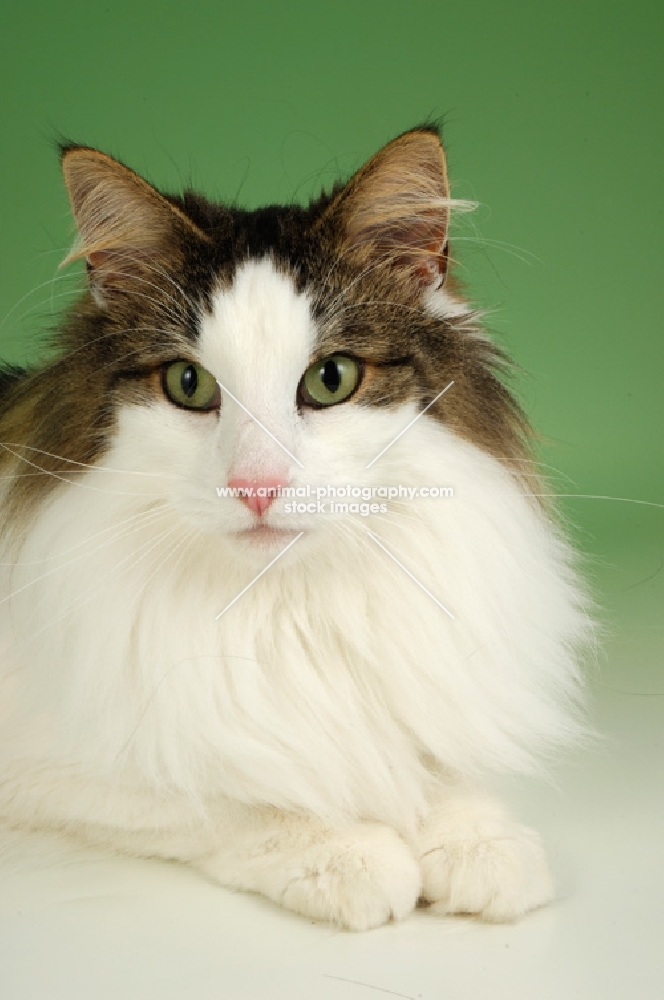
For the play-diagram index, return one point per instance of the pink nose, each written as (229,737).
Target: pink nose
(257,494)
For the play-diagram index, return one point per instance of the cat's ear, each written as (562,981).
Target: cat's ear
(125,227)
(396,208)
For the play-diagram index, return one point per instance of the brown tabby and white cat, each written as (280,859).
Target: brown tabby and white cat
(324,740)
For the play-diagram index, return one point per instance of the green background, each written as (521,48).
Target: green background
(553,121)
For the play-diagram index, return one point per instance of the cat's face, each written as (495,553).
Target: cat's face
(281,347)
(273,360)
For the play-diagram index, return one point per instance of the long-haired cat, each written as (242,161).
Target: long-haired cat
(306,705)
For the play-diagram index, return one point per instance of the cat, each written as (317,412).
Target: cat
(307,706)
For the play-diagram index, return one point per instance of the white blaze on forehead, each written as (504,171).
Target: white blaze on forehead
(259,338)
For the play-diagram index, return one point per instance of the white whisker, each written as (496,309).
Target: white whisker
(9,446)
(133,559)
(142,514)
(155,516)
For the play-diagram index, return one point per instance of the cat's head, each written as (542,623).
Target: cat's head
(286,345)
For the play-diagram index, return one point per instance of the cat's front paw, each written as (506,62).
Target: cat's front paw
(485,865)
(357,880)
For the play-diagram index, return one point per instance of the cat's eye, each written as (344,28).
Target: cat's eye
(329,381)
(191,386)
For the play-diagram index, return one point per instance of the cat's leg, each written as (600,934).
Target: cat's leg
(357,876)
(475,859)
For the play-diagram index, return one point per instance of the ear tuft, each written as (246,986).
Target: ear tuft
(396,208)
(122,221)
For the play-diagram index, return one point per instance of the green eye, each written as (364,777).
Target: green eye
(191,386)
(331,380)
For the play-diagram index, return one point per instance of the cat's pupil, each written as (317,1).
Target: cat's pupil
(189,381)
(331,376)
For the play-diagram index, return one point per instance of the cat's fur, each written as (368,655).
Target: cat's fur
(325,740)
